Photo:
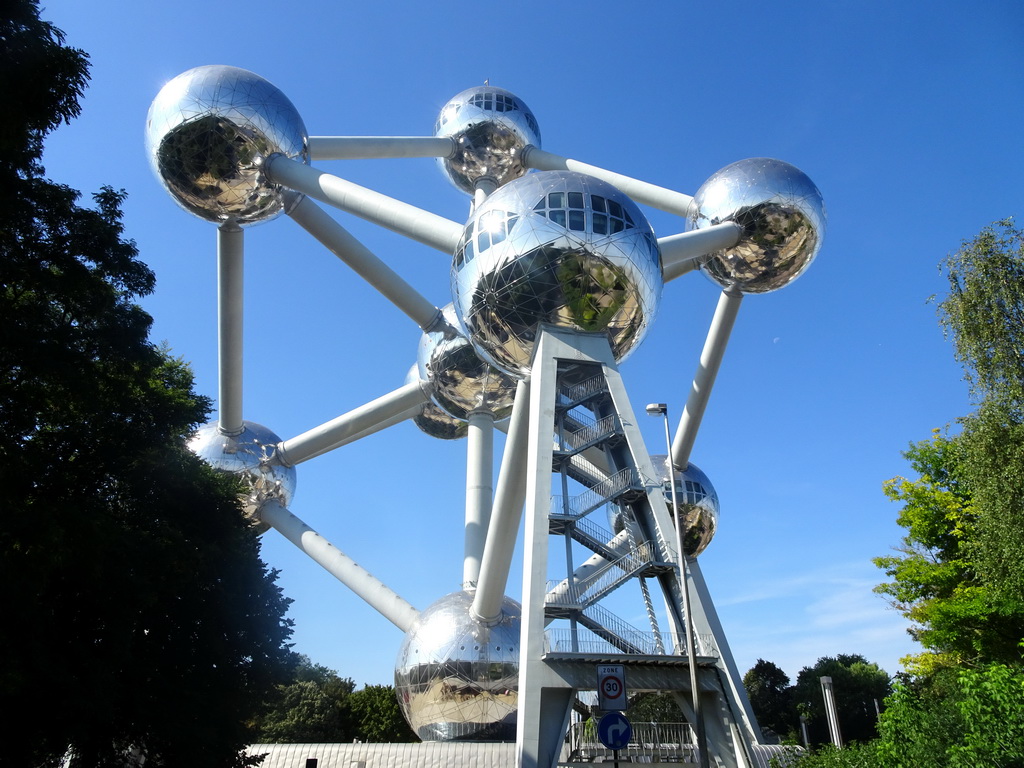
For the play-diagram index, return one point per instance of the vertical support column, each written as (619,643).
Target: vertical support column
(479,492)
(230,253)
(543,711)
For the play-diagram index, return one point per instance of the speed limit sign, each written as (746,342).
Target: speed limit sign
(611,687)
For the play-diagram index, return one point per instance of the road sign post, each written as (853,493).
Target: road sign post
(611,687)
(615,732)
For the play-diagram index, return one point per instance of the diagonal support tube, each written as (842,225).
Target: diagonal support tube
(641,191)
(364,263)
(377,426)
(358,421)
(704,379)
(507,512)
(230,268)
(371,589)
(422,226)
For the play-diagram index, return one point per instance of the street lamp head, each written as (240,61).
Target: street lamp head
(657,409)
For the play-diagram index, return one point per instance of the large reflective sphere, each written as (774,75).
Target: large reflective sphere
(247,455)
(209,131)
(698,504)
(457,679)
(560,248)
(490,126)
(783,219)
(432,420)
(460,381)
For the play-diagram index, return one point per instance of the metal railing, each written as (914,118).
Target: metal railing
(607,490)
(589,433)
(650,743)
(631,643)
(602,581)
(574,394)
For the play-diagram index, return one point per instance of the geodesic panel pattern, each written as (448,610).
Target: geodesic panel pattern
(457,678)
(208,133)
(247,455)
(460,380)
(490,126)
(782,215)
(560,248)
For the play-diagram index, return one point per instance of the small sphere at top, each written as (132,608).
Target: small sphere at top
(208,133)
(490,127)
(782,217)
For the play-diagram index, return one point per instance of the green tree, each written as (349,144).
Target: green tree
(313,707)
(378,716)
(957,575)
(936,582)
(984,316)
(858,685)
(771,698)
(966,718)
(138,619)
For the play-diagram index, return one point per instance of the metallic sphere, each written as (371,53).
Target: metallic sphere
(457,679)
(560,248)
(460,381)
(248,455)
(490,127)
(208,133)
(432,420)
(698,503)
(783,219)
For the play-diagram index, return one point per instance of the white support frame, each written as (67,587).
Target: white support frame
(493,516)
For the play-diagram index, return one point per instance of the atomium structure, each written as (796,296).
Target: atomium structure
(556,277)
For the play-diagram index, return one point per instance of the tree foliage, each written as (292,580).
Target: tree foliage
(952,718)
(139,619)
(984,316)
(958,575)
(936,582)
(771,698)
(318,705)
(378,716)
(858,685)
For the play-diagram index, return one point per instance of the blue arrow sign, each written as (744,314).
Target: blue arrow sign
(614,730)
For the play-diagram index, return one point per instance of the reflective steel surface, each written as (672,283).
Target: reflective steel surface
(561,248)
(698,503)
(209,131)
(457,679)
(783,219)
(490,126)
(432,420)
(247,455)
(460,381)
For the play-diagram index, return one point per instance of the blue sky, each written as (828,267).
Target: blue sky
(906,115)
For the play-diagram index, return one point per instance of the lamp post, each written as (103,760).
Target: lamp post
(661,409)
